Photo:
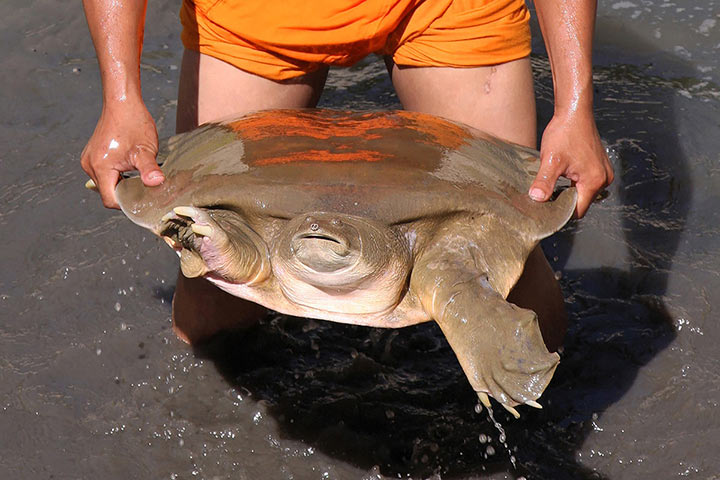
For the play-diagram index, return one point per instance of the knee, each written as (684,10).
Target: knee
(538,290)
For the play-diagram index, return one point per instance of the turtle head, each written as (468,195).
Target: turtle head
(324,256)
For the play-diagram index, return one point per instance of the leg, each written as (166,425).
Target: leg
(538,290)
(209,90)
(499,100)
(499,345)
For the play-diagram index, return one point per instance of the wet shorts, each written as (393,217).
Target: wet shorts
(283,39)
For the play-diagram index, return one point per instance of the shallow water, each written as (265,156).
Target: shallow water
(93,384)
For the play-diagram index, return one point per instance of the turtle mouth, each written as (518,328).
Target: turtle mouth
(321,237)
(320,252)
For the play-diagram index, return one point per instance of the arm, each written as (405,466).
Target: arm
(571,144)
(125,137)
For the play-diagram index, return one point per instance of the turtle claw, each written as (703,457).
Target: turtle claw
(198,220)
(171,215)
(485,399)
(202,230)
(172,243)
(512,411)
(189,212)
(215,241)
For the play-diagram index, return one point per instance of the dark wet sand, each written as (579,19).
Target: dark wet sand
(93,384)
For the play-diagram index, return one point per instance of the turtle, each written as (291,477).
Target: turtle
(376,218)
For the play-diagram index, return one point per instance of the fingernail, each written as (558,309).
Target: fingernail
(537,194)
(155,176)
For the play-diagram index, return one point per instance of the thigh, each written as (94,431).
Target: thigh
(211,89)
(498,99)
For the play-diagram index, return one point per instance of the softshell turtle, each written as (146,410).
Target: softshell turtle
(382,219)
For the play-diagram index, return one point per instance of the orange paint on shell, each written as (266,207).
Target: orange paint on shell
(301,125)
(449,135)
(322,156)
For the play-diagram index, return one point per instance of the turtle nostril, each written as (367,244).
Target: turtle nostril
(314,227)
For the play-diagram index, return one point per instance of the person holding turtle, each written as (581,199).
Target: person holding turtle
(464,60)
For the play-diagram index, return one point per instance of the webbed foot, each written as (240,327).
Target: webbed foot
(498,344)
(217,242)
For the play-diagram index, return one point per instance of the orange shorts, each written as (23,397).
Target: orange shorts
(282,39)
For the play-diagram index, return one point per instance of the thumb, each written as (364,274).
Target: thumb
(150,172)
(544,183)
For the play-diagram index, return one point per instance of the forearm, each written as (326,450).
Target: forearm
(125,137)
(567,27)
(116,27)
(571,144)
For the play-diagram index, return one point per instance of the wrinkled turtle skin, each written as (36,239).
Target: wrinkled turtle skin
(383,219)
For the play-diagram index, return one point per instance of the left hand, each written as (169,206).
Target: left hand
(571,147)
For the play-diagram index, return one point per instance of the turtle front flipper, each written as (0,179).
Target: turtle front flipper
(498,344)
(216,242)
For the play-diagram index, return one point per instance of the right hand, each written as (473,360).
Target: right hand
(125,139)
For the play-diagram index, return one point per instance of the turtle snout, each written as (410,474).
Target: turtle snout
(324,242)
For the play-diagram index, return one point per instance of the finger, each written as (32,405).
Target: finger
(544,183)
(589,186)
(584,199)
(150,172)
(106,182)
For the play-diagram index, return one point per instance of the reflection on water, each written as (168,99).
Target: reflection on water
(89,390)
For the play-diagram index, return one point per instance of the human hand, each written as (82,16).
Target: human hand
(571,147)
(124,139)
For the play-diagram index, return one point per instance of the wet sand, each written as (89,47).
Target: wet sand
(93,383)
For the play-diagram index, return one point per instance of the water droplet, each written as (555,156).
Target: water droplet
(502,437)
(483,438)
(117,306)
(490,450)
